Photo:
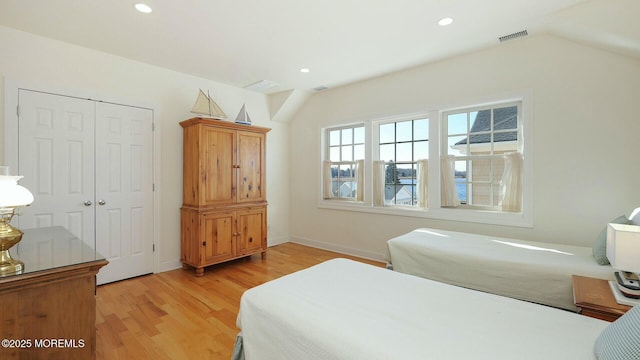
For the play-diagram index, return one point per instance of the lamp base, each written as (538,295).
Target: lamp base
(620,297)
(9,236)
(9,266)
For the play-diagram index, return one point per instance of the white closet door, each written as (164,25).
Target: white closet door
(124,190)
(56,157)
(89,166)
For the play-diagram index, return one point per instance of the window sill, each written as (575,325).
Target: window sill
(457,214)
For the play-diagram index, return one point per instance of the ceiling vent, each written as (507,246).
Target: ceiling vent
(515,35)
(320,88)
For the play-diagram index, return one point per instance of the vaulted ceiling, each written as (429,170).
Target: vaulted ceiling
(242,42)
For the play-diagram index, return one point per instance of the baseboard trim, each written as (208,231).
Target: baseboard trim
(339,249)
(177,264)
(273,241)
(170,265)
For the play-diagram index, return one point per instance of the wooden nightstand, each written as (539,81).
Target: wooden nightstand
(593,297)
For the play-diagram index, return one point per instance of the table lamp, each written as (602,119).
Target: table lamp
(623,252)
(12,196)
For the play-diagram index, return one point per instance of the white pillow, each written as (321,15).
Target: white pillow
(634,218)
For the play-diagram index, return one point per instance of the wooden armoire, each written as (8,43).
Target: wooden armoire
(224,208)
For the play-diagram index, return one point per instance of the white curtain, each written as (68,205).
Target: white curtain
(449,194)
(423,180)
(359,180)
(511,185)
(378,183)
(326,180)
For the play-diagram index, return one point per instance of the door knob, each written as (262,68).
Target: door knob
(102,202)
(87,203)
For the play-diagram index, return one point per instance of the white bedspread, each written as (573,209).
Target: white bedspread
(342,309)
(526,270)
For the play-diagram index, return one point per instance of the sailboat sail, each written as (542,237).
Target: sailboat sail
(206,107)
(243,116)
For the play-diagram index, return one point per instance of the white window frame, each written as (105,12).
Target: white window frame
(435,211)
(492,147)
(326,156)
(375,142)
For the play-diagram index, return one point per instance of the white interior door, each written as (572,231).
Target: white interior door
(124,190)
(56,158)
(89,165)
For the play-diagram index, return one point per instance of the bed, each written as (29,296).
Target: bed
(342,309)
(526,270)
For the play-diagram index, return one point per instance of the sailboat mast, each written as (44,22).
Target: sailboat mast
(211,113)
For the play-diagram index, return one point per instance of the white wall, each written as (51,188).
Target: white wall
(50,64)
(586,126)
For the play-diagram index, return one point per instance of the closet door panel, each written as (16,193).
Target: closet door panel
(124,190)
(56,158)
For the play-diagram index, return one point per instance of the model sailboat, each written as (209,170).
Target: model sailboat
(206,107)
(243,116)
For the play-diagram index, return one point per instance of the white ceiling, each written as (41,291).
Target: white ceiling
(240,42)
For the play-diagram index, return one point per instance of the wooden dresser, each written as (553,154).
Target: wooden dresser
(49,311)
(224,209)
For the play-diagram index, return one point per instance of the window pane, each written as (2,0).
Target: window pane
(388,152)
(420,150)
(481,196)
(406,193)
(387,133)
(334,154)
(347,153)
(358,152)
(457,123)
(334,171)
(391,174)
(498,169)
(481,170)
(406,174)
(334,137)
(358,135)
(460,167)
(343,189)
(505,118)
(480,121)
(403,152)
(496,194)
(390,194)
(461,181)
(335,186)
(345,172)
(403,131)
(347,136)
(421,129)
(505,136)
(457,145)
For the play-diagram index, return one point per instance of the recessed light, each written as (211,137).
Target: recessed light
(143,8)
(304,70)
(445,21)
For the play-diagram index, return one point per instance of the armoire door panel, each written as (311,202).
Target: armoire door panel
(218,174)
(250,158)
(218,238)
(251,230)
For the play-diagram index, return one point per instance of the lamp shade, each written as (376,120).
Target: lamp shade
(12,194)
(623,247)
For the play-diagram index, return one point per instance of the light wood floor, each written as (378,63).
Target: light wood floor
(175,315)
